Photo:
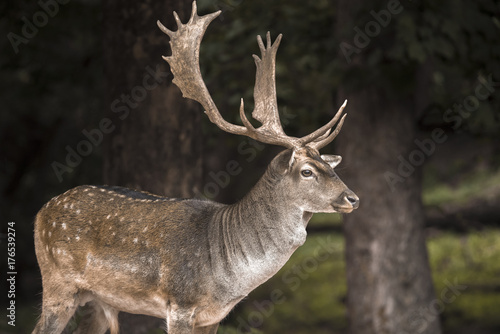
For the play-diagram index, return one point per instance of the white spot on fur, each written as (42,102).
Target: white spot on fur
(90,194)
(111,199)
(77,238)
(53,224)
(145,229)
(66,205)
(72,205)
(50,234)
(122,219)
(113,234)
(135,240)
(78,211)
(108,216)
(43,233)
(63,225)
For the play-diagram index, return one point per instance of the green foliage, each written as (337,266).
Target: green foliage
(479,186)
(470,264)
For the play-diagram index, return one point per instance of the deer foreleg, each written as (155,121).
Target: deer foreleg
(180,320)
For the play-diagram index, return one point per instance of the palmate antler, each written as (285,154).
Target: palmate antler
(184,64)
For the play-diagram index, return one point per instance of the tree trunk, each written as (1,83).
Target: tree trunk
(154,141)
(390,288)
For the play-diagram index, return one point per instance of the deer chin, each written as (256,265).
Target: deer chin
(342,209)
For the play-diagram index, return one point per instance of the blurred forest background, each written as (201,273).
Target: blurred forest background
(429,72)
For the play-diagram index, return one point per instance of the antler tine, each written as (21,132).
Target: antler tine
(322,142)
(312,138)
(266,105)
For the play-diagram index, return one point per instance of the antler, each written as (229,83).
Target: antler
(184,64)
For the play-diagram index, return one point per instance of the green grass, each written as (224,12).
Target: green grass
(466,274)
(479,185)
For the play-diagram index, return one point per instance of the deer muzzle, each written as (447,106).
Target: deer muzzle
(346,202)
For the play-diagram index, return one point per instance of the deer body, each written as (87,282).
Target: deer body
(187,261)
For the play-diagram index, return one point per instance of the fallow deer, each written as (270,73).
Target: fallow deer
(187,261)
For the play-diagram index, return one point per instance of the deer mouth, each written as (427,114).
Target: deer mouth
(343,209)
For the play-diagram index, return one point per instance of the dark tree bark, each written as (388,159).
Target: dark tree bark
(156,144)
(154,141)
(390,288)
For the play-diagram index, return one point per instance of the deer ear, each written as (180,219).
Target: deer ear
(332,160)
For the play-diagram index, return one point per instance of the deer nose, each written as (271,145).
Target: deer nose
(351,198)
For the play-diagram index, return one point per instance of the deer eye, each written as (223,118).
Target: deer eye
(306,173)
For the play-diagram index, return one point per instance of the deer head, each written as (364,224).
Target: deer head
(304,163)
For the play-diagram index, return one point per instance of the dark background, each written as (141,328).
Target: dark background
(441,54)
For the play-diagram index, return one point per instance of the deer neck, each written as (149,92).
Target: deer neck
(258,234)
